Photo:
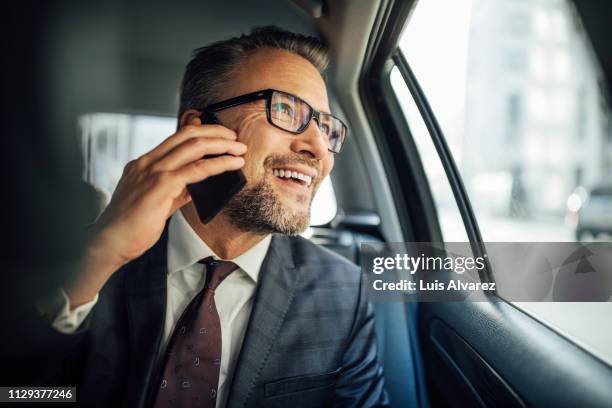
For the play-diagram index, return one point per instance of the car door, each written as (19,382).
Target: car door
(487,127)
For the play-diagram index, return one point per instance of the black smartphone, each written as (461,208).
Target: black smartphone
(212,194)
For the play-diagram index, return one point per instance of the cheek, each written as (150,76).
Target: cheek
(253,167)
(328,164)
(261,143)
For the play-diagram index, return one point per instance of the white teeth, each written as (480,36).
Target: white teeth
(292,174)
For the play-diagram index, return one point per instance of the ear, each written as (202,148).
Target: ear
(190,117)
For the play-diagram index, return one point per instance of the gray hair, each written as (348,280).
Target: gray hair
(212,67)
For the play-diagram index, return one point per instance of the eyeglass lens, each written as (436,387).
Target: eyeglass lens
(292,114)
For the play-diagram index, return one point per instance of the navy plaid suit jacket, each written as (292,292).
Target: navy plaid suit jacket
(309,342)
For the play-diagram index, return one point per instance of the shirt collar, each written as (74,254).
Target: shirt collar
(186,248)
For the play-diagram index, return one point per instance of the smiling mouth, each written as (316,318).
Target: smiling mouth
(293,176)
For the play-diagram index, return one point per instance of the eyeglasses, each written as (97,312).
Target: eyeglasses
(292,114)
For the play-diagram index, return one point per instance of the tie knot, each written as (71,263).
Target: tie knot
(216,271)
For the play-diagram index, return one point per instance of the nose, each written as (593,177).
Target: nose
(311,141)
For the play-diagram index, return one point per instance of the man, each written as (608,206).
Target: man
(151,321)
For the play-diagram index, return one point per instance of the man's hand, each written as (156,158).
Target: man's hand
(151,189)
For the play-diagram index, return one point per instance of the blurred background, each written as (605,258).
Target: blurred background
(525,108)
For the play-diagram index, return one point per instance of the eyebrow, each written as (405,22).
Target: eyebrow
(312,105)
(254,96)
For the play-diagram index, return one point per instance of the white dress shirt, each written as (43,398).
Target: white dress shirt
(186,277)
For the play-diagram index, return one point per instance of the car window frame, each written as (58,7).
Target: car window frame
(396,144)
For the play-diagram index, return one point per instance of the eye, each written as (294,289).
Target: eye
(324,128)
(283,108)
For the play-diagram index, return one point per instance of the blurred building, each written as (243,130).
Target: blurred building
(536,124)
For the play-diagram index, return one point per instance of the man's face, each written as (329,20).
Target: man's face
(270,203)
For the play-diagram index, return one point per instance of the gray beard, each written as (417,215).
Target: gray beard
(258,209)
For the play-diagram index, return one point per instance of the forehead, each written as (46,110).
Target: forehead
(282,70)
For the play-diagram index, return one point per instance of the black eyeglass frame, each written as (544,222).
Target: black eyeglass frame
(267,95)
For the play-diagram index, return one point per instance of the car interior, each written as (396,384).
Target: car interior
(127,58)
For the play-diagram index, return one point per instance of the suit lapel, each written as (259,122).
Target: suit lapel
(274,294)
(146,309)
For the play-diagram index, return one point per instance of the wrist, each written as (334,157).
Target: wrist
(101,251)
(99,263)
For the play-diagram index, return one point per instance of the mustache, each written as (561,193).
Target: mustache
(277,160)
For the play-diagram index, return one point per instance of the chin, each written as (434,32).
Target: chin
(263,209)
(297,204)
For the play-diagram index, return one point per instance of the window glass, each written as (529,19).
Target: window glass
(449,217)
(110,140)
(515,88)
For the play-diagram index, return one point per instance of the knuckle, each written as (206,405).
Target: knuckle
(195,142)
(155,168)
(201,168)
(128,166)
(161,178)
(132,165)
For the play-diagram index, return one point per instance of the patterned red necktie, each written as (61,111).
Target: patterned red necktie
(193,359)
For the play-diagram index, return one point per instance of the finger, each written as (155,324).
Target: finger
(202,169)
(184,134)
(194,149)
(181,200)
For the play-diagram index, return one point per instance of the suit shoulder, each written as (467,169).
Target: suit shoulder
(325,277)
(308,254)
(308,250)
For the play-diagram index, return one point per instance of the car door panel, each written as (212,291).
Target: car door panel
(505,358)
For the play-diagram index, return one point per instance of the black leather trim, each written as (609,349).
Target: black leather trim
(543,368)
(484,385)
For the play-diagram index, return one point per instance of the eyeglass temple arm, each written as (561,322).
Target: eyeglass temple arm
(239,100)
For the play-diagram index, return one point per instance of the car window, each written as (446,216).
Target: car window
(516,90)
(110,140)
(449,217)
